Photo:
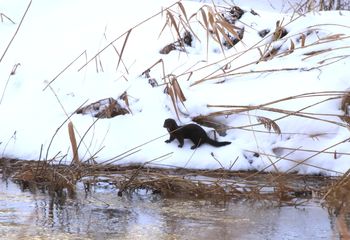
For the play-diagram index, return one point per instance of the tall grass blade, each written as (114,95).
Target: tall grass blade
(14,35)
(124,44)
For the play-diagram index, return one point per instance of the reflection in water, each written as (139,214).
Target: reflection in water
(101,214)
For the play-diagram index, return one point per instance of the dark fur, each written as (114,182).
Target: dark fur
(190,131)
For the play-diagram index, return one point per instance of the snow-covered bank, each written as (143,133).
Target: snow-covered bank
(313,57)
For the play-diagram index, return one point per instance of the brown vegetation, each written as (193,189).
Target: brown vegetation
(218,185)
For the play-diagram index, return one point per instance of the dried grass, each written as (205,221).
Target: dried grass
(105,108)
(214,22)
(343,226)
(345,102)
(211,122)
(272,123)
(174,90)
(338,195)
(272,51)
(269,124)
(337,200)
(44,175)
(216,185)
(322,5)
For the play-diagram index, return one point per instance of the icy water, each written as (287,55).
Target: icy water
(101,214)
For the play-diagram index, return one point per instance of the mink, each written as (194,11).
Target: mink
(191,131)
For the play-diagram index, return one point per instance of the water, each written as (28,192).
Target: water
(101,214)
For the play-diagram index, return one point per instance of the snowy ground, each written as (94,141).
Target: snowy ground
(53,34)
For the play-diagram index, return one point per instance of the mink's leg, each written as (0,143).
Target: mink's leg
(181,141)
(170,139)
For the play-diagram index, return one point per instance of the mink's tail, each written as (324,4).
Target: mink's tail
(216,143)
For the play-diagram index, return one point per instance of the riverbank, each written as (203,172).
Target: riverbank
(220,184)
(163,203)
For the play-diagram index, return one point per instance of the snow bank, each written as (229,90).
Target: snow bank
(313,137)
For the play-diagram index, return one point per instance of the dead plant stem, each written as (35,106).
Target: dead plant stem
(63,70)
(14,35)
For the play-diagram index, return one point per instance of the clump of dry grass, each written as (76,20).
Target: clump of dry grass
(42,174)
(338,195)
(270,50)
(345,103)
(174,90)
(322,5)
(337,200)
(172,86)
(174,186)
(343,226)
(105,108)
(279,32)
(269,124)
(185,40)
(217,185)
(219,26)
(211,122)
(344,106)
(46,174)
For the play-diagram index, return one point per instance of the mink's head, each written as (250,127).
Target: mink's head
(170,124)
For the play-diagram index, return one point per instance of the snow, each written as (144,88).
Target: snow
(54,34)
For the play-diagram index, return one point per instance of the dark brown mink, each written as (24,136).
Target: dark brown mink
(191,131)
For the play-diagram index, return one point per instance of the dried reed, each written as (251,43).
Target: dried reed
(73,142)
(14,35)
(174,91)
